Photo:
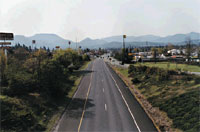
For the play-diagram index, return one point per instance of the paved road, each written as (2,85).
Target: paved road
(114,61)
(104,103)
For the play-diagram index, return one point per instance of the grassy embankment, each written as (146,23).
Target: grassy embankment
(173,93)
(172,66)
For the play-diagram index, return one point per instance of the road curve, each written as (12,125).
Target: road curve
(104,103)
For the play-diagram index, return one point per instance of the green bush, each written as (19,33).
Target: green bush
(135,80)
(20,84)
(151,70)
(16,116)
(197,80)
(131,69)
(86,57)
(52,78)
(184,110)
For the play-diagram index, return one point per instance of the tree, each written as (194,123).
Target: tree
(170,46)
(154,50)
(160,51)
(48,50)
(136,50)
(3,65)
(40,55)
(198,51)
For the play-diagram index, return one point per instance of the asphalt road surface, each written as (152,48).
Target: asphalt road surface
(104,103)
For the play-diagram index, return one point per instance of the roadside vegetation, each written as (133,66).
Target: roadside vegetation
(172,66)
(36,86)
(172,91)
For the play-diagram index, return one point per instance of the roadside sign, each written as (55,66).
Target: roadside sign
(6,36)
(130,54)
(124,36)
(5,47)
(57,47)
(5,43)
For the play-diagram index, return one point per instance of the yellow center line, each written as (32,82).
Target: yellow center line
(86,100)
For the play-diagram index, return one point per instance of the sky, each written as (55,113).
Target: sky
(78,19)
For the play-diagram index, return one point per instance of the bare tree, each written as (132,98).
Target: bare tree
(154,52)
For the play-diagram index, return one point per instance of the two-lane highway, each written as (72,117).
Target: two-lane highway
(107,105)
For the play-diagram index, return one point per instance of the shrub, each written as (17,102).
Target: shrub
(131,69)
(197,80)
(86,57)
(172,72)
(184,110)
(52,77)
(151,70)
(135,80)
(141,69)
(20,84)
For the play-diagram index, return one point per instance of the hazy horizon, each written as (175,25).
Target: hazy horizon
(71,19)
(108,36)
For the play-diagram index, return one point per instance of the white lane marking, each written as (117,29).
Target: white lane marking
(103,89)
(124,99)
(102,80)
(105,107)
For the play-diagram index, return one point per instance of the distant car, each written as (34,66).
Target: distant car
(113,60)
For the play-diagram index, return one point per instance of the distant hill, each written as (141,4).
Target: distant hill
(92,43)
(179,37)
(132,38)
(52,40)
(152,38)
(48,40)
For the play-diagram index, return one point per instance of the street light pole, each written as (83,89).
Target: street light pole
(123,49)
(69,43)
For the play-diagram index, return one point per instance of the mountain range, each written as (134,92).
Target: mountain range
(52,40)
